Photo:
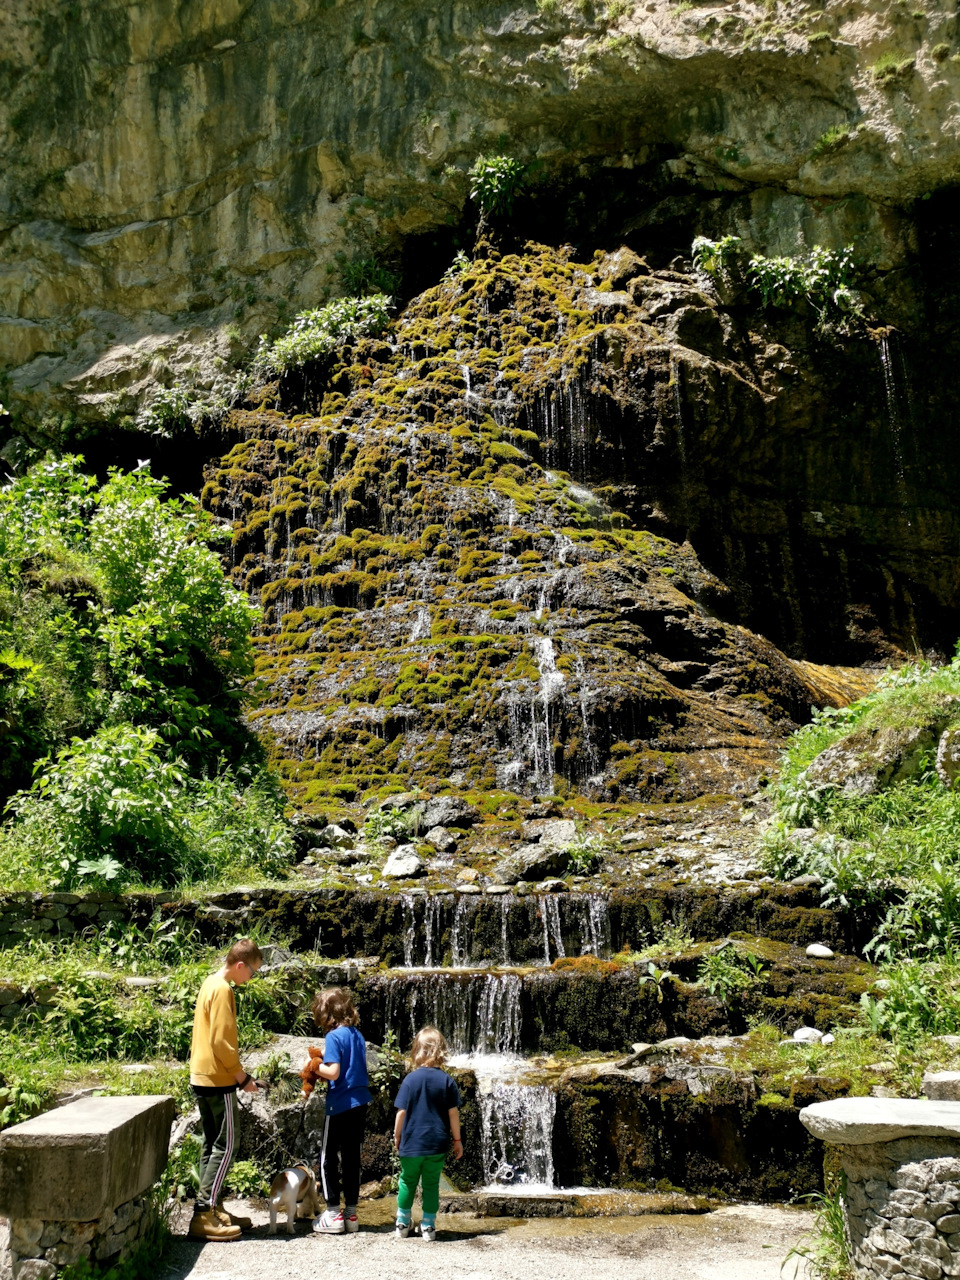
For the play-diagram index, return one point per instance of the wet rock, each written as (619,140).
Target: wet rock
(818,951)
(337,837)
(531,862)
(443,841)
(449,811)
(558,833)
(468,875)
(403,864)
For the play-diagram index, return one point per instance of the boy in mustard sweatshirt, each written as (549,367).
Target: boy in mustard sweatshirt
(216,1074)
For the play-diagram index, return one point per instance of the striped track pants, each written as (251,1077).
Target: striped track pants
(219,1113)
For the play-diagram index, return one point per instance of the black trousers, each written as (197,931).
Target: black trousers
(340,1156)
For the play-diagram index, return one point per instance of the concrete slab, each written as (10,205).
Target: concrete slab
(76,1162)
(855,1121)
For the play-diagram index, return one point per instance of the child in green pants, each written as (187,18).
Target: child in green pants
(428,1115)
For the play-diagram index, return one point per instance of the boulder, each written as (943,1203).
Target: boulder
(559,833)
(948,757)
(817,951)
(337,837)
(530,862)
(868,760)
(403,864)
(449,811)
(443,841)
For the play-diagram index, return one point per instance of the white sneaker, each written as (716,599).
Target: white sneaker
(330,1223)
(428,1233)
(351,1222)
(402,1231)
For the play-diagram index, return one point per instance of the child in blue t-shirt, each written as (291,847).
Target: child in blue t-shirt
(428,1115)
(345,1066)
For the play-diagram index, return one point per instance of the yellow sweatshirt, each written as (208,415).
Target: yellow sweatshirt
(214,1056)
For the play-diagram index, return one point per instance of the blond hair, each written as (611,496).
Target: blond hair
(429,1049)
(334,1007)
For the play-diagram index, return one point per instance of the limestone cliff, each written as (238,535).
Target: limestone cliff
(178,176)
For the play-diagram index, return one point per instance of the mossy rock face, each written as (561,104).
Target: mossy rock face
(667,1125)
(462,575)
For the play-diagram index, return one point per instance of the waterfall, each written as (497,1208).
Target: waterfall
(891,358)
(517,1134)
(550,914)
(583,694)
(594,925)
(432,915)
(459,943)
(479,1013)
(409,928)
(505,904)
(550,686)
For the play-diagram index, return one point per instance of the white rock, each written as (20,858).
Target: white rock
(819,952)
(403,864)
(829,1038)
(336,837)
(808,1035)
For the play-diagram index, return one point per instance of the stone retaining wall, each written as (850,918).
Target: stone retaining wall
(901,1200)
(901,1193)
(40,1248)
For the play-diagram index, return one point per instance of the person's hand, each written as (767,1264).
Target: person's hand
(457,1149)
(251,1086)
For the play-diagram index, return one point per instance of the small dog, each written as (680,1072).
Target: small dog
(294,1190)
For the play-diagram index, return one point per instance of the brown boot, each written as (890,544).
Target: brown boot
(233,1219)
(207,1225)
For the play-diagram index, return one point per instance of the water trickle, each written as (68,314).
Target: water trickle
(421,625)
(432,917)
(550,687)
(594,925)
(899,408)
(459,934)
(552,932)
(409,928)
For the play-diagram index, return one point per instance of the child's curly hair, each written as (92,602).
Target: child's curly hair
(334,1007)
(429,1049)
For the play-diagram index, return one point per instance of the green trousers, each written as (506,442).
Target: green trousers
(413,1169)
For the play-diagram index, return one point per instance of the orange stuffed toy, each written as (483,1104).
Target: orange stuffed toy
(310,1075)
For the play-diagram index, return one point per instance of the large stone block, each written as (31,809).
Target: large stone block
(869,1120)
(78,1161)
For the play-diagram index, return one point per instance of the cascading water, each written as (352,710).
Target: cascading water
(550,687)
(517,1134)
(899,409)
(552,932)
(477,1013)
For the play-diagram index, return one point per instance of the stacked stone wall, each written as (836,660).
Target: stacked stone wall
(902,1203)
(39,1249)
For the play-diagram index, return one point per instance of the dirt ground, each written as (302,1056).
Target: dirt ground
(742,1242)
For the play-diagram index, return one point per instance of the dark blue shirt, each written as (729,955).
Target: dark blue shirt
(426,1095)
(351,1088)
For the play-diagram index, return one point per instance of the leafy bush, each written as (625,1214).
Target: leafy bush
(365,275)
(917,998)
(826,1250)
(585,855)
(824,280)
(494,183)
(115,807)
(316,333)
(727,974)
(246,1178)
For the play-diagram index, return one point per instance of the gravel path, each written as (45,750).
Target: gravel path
(743,1242)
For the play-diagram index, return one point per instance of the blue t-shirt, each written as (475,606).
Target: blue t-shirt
(426,1095)
(345,1045)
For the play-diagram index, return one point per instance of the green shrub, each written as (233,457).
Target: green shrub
(365,275)
(494,183)
(317,333)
